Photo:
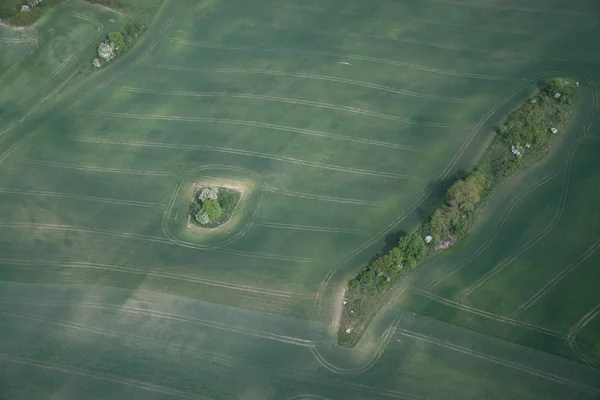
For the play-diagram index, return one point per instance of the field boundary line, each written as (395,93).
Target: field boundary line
(250,96)
(486,314)
(105,377)
(242,152)
(307,228)
(554,281)
(181,318)
(79,197)
(322,198)
(417,42)
(344,56)
(500,361)
(168,275)
(317,77)
(417,203)
(513,203)
(95,168)
(557,217)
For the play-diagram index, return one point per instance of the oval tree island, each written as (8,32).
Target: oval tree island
(213,206)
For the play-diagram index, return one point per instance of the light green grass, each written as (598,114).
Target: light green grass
(344,156)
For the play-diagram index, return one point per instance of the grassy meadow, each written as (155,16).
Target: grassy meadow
(344,122)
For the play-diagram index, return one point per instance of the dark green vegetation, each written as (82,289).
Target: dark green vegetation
(530,125)
(217,211)
(10,10)
(347,121)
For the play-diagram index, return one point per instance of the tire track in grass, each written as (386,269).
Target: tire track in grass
(499,361)
(574,331)
(557,217)
(95,168)
(511,8)
(486,314)
(343,56)
(323,198)
(205,355)
(242,152)
(417,203)
(307,228)
(514,202)
(155,274)
(102,376)
(79,197)
(554,281)
(153,239)
(258,125)
(249,96)
(413,41)
(316,77)
(178,318)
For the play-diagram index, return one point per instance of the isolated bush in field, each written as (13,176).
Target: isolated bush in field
(96,63)
(106,51)
(212,209)
(209,193)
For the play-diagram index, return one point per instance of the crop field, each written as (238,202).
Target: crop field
(344,122)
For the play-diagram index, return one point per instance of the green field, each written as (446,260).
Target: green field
(346,122)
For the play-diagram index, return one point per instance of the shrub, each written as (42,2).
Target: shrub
(212,209)
(118,40)
(209,193)
(26,18)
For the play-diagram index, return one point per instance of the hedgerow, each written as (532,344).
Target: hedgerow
(521,141)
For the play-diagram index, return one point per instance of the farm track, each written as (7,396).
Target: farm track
(249,96)
(315,77)
(242,152)
(343,56)
(311,196)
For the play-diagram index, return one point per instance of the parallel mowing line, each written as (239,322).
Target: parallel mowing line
(259,125)
(191,320)
(96,169)
(317,77)
(104,377)
(167,275)
(486,314)
(496,360)
(249,96)
(510,8)
(323,198)
(307,228)
(246,153)
(345,56)
(154,239)
(79,197)
(554,281)
(411,41)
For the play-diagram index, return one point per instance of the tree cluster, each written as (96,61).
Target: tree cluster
(117,43)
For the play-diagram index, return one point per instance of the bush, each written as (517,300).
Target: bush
(26,18)
(118,40)
(212,209)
